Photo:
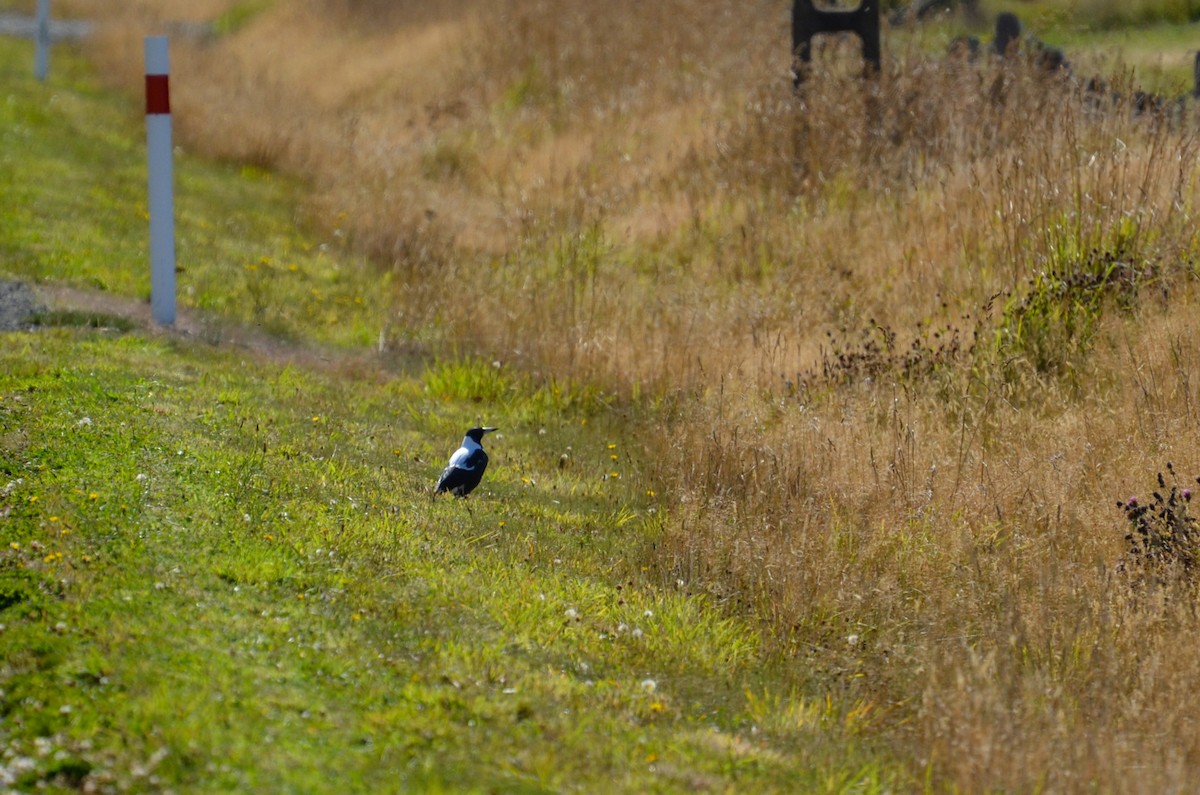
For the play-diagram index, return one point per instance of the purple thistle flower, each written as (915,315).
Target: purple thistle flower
(1131,502)
(1187,494)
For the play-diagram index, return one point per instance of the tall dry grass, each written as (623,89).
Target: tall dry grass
(910,340)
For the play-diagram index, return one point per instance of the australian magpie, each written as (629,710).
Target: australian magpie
(466,466)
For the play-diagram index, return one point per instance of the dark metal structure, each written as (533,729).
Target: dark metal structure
(809,21)
(1008,34)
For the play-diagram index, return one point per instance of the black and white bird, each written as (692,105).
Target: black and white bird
(466,466)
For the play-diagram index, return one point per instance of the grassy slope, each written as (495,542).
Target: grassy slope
(220,573)
(1161,56)
(1148,40)
(74,170)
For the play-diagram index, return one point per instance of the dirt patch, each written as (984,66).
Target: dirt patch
(25,307)
(19,306)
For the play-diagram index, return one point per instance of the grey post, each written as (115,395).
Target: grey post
(41,66)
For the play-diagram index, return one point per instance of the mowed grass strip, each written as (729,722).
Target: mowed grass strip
(73,177)
(222,573)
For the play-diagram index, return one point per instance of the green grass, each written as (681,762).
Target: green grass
(235,569)
(1099,15)
(73,177)
(240,566)
(1149,43)
(1160,57)
(220,572)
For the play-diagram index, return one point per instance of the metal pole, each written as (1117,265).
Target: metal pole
(41,65)
(161,181)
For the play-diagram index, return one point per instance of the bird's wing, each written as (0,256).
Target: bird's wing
(468,459)
(463,472)
(459,459)
(476,460)
(444,481)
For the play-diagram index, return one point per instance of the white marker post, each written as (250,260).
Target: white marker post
(162,182)
(41,63)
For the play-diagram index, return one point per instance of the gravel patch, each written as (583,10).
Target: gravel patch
(18,306)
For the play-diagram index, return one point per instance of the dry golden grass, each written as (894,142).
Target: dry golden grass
(909,341)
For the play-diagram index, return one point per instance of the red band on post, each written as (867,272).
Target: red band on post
(158,95)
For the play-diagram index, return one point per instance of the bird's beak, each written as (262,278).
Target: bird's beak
(489,430)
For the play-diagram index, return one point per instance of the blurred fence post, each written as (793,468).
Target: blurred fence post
(1008,34)
(41,64)
(159,156)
